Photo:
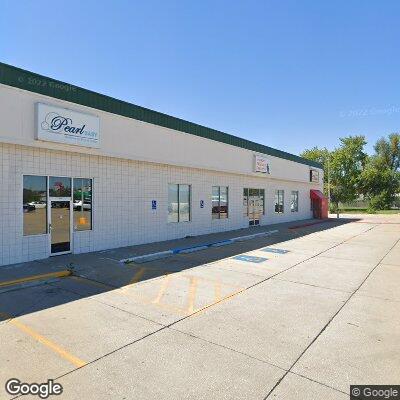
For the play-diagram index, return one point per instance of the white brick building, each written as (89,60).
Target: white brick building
(141,177)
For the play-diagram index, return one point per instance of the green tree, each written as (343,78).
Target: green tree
(380,180)
(342,166)
(388,150)
(346,165)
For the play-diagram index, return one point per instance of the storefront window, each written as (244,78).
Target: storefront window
(279,201)
(82,204)
(35,205)
(184,203)
(219,202)
(245,202)
(59,186)
(179,203)
(294,201)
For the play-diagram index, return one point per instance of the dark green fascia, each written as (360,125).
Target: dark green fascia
(22,79)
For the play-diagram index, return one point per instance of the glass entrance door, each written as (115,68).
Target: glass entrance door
(253,202)
(60,226)
(254,210)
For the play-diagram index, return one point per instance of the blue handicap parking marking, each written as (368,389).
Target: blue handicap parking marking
(251,259)
(275,251)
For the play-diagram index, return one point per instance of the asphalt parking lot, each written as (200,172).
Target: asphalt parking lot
(301,314)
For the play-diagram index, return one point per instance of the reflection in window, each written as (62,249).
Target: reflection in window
(59,186)
(82,203)
(35,205)
(253,201)
(219,202)
(279,201)
(294,201)
(179,203)
(184,203)
(245,202)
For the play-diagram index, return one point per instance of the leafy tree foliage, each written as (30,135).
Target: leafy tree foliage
(353,173)
(388,150)
(380,179)
(346,165)
(343,166)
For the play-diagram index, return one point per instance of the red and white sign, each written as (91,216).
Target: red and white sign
(261,164)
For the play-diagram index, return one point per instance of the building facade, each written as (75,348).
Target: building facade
(82,172)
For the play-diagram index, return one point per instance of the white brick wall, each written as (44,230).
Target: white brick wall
(122,194)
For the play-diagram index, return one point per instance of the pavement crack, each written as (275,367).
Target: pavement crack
(332,318)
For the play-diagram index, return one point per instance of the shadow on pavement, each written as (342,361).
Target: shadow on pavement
(99,272)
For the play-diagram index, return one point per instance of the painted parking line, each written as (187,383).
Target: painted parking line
(217,291)
(46,342)
(138,275)
(192,299)
(274,251)
(192,294)
(251,259)
(58,274)
(163,288)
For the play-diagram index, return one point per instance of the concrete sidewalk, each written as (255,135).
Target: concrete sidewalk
(81,263)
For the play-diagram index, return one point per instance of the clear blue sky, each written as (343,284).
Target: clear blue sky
(289,74)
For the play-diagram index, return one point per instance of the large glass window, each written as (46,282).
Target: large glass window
(184,203)
(294,201)
(179,203)
(219,202)
(279,201)
(82,203)
(59,186)
(245,202)
(35,204)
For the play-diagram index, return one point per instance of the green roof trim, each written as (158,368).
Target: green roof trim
(22,79)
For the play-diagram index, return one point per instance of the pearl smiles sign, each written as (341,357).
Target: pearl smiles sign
(61,125)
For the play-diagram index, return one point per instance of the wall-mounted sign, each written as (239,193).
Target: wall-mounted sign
(201,203)
(314,175)
(60,125)
(261,164)
(154,204)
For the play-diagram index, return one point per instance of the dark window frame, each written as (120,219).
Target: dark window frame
(296,192)
(83,202)
(178,185)
(279,205)
(219,213)
(28,209)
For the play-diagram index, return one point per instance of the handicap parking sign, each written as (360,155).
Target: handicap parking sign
(154,204)
(201,203)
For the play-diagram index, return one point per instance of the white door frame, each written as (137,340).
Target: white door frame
(69,199)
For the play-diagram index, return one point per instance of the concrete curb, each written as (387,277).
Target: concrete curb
(185,250)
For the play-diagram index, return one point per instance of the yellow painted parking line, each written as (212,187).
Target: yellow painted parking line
(136,278)
(48,343)
(217,290)
(164,286)
(202,278)
(192,294)
(59,274)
